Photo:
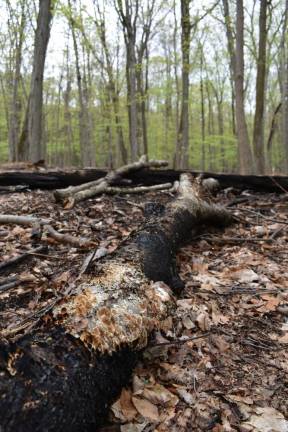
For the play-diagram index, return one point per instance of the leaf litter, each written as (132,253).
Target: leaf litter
(220,363)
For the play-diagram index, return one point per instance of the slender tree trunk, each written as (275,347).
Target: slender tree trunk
(168,98)
(244,150)
(237,67)
(15,109)
(132,98)
(183,132)
(67,123)
(210,125)
(176,161)
(114,93)
(87,151)
(221,130)
(258,135)
(284,87)
(203,150)
(30,143)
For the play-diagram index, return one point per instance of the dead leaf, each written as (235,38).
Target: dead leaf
(158,394)
(146,409)
(203,321)
(267,419)
(245,276)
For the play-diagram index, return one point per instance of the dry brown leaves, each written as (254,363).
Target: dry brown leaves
(234,378)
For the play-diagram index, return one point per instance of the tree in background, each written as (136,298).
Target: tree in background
(182,145)
(122,75)
(128,13)
(237,66)
(31,145)
(17,23)
(258,133)
(284,84)
(87,150)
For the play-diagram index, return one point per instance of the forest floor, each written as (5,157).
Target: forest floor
(222,363)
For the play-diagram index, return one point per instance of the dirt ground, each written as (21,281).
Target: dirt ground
(222,362)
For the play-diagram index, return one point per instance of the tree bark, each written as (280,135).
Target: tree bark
(65,372)
(244,150)
(87,150)
(284,86)
(15,106)
(237,65)
(183,132)
(129,26)
(258,135)
(30,145)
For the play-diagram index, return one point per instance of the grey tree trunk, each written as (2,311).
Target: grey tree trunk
(183,132)
(203,149)
(237,65)
(129,27)
(176,161)
(112,80)
(284,87)
(15,106)
(30,144)
(258,135)
(87,151)
(132,98)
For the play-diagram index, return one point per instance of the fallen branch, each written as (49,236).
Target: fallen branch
(43,224)
(13,282)
(22,220)
(65,373)
(90,189)
(20,258)
(113,190)
(68,239)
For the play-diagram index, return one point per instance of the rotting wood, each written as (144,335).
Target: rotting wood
(64,374)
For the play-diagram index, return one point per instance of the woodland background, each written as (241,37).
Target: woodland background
(97,83)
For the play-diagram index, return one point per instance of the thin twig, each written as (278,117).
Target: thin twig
(263,216)
(19,258)
(180,341)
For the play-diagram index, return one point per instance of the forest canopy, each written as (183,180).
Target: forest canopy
(100,82)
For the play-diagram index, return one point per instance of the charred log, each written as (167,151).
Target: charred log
(58,179)
(65,372)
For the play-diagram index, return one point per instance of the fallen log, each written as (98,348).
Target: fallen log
(60,179)
(67,370)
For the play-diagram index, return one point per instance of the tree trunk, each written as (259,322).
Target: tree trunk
(244,150)
(284,87)
(258,135)
(237,67)
(132,98)
(64,374)
(15,109)
(30,144)
(203,149)
(86,148)
(183,132)
(176,160)
(221,129)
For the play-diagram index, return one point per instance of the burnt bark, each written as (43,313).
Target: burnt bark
(63,374)
(60,179)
